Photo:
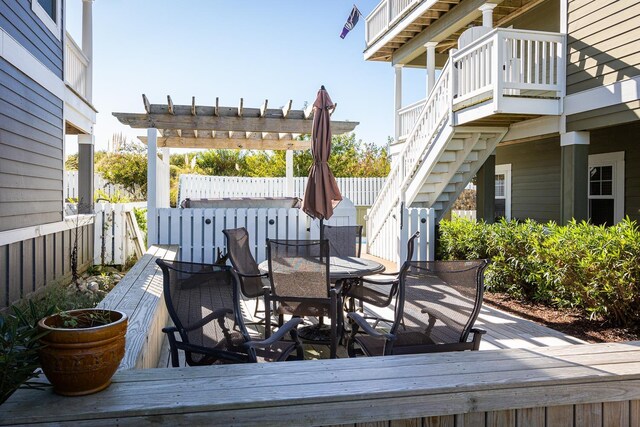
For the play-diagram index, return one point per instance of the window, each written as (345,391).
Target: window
(503,191)
(49,11)
(606,188)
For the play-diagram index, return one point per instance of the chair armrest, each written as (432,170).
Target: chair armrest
(338,287)
(213,316)
(379,282)
(252,275)
(169,329)
(362,323)
(478,331)
(278,336)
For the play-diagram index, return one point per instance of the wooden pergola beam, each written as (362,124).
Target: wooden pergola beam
(231,143)
(226,123)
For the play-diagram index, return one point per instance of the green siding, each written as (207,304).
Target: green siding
(535,179)
(602,43)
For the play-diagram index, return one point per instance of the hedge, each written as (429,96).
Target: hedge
(595,269)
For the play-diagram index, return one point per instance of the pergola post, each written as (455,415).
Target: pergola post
(398,98)
(152,158)
(289,173)
(164,185)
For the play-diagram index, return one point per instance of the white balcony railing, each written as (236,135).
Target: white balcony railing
(407,118)
(75,67)
(385,15)
(509,63)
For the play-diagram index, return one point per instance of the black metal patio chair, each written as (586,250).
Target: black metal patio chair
(300,286)
(203,303)
(378,290)
(344,240)
(253,283)
(435,309)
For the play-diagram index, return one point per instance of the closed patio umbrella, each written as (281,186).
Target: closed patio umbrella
(322,194)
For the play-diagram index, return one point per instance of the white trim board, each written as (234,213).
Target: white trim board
(21,234)
(16,54)
(621,92)
(615,159)
(505,169)
(54,26)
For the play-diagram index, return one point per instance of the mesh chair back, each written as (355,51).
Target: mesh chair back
(344,240)
(194,291)
(444,296)
(238,248)
(299,268)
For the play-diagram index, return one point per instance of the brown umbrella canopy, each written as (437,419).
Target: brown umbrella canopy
(322,194)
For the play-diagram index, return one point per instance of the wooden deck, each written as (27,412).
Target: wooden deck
(504,331)
(577,385)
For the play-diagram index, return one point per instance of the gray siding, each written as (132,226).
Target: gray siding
(29,266)
(602,43)
(17,19)
(627,139)
(31,145)
(535,179)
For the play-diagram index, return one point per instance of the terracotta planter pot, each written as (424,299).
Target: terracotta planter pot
(81,361)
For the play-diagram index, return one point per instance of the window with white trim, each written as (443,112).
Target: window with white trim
(503,191)
(49,12)
(606,188)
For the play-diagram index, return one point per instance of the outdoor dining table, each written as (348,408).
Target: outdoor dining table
(343,267)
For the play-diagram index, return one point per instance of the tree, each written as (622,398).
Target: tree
(221,162)
(126,169)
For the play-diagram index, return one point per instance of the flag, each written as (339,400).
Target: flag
(352,20)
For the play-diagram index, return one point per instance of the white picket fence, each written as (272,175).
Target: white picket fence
(466,214)
(199,231)
(391,243)
(114,235)
(99,183)
(361,191)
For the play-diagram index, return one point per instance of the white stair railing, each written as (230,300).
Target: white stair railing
(408,116)
(420,140)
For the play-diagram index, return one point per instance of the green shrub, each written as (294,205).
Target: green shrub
(19,346)
(592,268)
(141,219)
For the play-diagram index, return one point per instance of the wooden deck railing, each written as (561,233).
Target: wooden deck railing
(580,385)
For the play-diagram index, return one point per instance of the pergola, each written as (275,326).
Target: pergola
(196,126)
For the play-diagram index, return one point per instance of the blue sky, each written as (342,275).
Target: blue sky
(276,50)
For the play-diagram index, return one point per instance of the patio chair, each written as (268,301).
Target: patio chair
(435,308)
(299,274)
(203,303)
(378,290)
(253,283)
(344,240)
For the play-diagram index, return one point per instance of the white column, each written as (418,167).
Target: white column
(431,66)
(87,44)
(152,159)
(487,14)
(289,173)
(398,99)
(164,183)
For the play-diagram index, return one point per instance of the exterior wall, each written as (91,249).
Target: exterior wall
(535,178)
(17,19)
(30,265)
(602,43)
(31,152)
(623,138)
(545,17)
(601,117)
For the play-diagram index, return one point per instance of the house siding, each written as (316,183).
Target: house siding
(623,138)
(31,265)
(535,179)
(545,17)
(602,43)
(31,152)
(17,19)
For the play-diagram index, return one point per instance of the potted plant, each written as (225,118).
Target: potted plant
(82,349)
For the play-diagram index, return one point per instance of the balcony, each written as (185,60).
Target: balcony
(516,73)
(76,67)
(502,77)
(386,14)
